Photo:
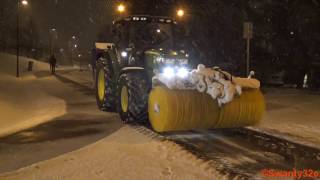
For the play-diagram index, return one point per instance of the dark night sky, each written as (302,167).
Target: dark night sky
(81,18)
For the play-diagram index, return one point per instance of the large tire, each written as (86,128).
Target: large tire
(133,91)
(105,90)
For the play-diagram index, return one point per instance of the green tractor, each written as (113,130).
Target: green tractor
(134,75)
(141,46)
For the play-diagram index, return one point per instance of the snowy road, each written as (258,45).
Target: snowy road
(238,155)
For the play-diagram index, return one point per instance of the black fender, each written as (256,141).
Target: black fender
(135,69)
(131,69)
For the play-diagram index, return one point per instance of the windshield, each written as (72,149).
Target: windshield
(145,35)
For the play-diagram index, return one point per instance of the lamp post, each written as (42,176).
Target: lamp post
(53,35)
(24,3)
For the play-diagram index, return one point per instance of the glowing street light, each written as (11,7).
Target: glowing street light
(180,13)
(24,2)
(121,8)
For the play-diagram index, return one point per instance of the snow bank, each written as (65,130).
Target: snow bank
(218,84)
(23,101)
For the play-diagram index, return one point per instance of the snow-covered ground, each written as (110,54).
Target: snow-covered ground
(294,114)
(126,154)
(24,102)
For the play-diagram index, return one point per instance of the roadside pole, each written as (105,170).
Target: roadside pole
(17,63)
(248,56)
(248,34)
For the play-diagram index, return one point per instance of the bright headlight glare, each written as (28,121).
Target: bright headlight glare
(124,54)
(168,72)
(182,72)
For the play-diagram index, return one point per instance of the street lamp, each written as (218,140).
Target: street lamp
(24,3)
(121,8)
(180,13)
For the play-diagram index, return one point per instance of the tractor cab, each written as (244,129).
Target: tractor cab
(150,42)
(146,32)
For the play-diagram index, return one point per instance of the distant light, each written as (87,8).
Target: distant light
(53,29)
(158,31)
(79,55)
(75,45)
(24,2)
(160,49)
(121,8)
(292,33)
(187,55)
(73,37)
(124,54)
(180,13)
(305,81)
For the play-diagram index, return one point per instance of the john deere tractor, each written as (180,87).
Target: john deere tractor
(141,48)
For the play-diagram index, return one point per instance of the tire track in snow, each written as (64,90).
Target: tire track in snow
(238,153)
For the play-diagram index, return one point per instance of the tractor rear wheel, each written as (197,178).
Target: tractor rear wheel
(105,96)
(133,92)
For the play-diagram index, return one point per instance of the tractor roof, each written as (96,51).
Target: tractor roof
(147,18)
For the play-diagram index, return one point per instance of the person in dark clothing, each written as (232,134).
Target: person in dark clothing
(53,62)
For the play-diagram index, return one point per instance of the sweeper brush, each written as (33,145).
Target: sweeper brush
(205,98)
(172,110)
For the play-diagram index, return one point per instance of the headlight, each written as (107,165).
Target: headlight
(168,72)
(124,54)
(182,72)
